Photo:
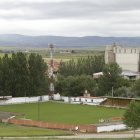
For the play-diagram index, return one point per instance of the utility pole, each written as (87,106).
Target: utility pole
(112,92)
(112,95)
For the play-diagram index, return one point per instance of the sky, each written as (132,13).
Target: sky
(70,17)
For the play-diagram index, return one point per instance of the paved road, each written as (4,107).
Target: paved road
(127,134)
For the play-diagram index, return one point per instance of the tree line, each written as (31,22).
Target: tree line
(84,65)
(23,75)
(26,75)
(75,76)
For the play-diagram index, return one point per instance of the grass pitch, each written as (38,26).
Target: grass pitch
(64,113)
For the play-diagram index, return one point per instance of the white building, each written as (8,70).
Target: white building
(127,58)
(127,74)
(84,100)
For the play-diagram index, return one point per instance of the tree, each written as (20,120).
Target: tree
(6,75)
(136,87)
(111,79)
(87,65)
(75,85)
(124,92)
(1,78)
(37,75)
(132,116)
(21,75)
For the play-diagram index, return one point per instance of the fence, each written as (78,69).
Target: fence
(19,100)
(80,128)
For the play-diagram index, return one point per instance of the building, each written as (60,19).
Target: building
(127,74)
(126,58)
(86,99)
(130,75)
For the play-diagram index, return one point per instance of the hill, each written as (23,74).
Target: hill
(23,41)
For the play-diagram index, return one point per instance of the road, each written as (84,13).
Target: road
(127,134)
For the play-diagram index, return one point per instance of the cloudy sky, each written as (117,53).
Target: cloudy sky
(70,17)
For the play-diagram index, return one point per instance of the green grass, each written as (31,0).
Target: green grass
(96,139)
(8,130)
(78,139)
(91,139)
(64,113)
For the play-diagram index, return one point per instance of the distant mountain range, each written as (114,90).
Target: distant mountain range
(23,41)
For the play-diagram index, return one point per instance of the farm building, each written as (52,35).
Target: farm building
(65,52)
(127,74)
(126,58)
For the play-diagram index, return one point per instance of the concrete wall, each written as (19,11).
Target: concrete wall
(66,99)
(128,61)
(62,126)
(57,96)
(19,100)
(109,128)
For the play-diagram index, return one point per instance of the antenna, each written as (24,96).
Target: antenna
(51,70)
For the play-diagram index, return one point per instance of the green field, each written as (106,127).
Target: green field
(65,57)
(64,113)
(59,56)
(8,130)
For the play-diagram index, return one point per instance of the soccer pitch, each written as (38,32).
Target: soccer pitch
(63,113)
